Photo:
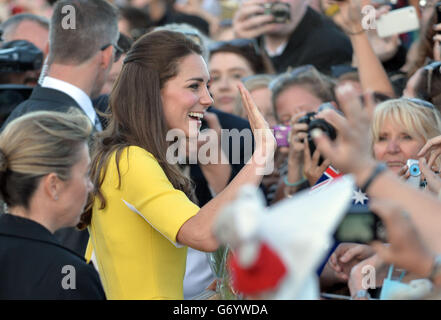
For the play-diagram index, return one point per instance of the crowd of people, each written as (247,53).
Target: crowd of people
(106,133)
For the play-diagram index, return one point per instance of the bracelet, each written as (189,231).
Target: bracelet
(378,169)
(295,184)
(349,33)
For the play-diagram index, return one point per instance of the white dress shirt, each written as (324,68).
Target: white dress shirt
(80,97)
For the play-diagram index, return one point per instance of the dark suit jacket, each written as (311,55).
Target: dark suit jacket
(47,99)
(33,265)
(43,99)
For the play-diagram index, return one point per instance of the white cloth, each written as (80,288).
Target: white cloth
(198,274)
(77,94)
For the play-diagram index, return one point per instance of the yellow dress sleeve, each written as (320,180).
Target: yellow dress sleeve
(148,193)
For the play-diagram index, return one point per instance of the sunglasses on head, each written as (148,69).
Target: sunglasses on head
(239,43)
(118,51)
(296,73)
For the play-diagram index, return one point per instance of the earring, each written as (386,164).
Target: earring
(56,197)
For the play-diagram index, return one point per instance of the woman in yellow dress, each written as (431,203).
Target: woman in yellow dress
(141,218)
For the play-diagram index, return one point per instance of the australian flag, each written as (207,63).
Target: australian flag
(359,199)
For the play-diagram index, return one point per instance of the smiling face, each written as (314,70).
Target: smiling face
(226,70)
(185,97)
(395,145)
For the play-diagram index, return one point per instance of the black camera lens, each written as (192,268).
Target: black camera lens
(307,118)
(324,126)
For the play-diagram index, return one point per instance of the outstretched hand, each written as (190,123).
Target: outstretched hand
(349,152)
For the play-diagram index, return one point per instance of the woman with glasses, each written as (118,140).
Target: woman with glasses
(229,62)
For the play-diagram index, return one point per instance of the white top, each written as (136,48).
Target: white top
(279,50)
(77,94)
(198,274)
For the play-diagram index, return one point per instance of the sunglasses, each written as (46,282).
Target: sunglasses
(118,51)
(421,103)
(303,71)
(239,43)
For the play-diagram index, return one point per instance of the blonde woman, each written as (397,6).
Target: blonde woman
(400,128)
(44,182)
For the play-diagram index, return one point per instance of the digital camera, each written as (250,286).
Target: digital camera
(321,124)
(279,10)
(415,172)
(281,133)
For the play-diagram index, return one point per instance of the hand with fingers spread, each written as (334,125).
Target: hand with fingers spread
(406,249)
(349,152)
(250,21)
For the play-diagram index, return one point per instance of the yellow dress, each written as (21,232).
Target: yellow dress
(134,236)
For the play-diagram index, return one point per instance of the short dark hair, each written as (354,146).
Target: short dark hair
(96,25)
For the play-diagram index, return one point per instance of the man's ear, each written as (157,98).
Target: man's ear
(106,57)
(46,49)
(52,186)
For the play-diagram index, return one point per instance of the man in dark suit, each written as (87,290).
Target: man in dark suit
(82,48)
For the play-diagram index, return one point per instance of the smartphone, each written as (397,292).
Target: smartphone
(281,133)
(360,225)
(398,21)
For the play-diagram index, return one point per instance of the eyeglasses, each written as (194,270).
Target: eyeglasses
(239,43)
(118,51)
(436,65)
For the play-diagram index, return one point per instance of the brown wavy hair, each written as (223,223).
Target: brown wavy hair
(136,115)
